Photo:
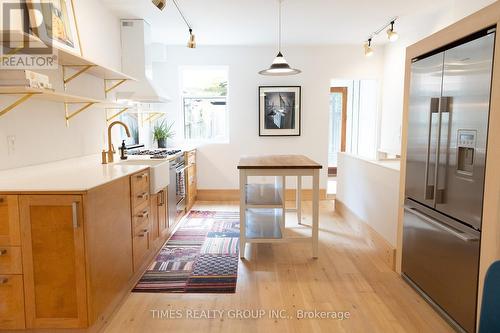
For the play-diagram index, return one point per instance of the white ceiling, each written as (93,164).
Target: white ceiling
(254,22)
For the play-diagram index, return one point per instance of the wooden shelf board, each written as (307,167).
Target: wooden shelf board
(265,195)
(263,225)
(46,94)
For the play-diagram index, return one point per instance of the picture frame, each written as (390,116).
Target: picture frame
(280,110)
(55,24)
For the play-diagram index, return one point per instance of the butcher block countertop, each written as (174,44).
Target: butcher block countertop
(277,162)
(72,175)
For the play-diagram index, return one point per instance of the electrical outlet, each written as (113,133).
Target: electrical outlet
(11,144)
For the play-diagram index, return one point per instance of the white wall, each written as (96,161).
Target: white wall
(370,190)
(412,29)
(39,127)
(217,162)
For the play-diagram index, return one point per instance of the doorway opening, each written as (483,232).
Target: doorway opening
(338,126)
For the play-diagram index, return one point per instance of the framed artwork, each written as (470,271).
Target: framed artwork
(55,21)
(279,110)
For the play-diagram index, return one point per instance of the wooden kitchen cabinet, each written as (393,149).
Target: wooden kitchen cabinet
(191,178)
(9,221)
(12,296)
(53,260)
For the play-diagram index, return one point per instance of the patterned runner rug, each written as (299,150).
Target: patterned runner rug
(200,257)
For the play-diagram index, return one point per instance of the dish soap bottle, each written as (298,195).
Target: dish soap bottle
(123,151)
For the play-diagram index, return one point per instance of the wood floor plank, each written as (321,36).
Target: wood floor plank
(348,276)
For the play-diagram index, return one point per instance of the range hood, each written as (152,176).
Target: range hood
(137,62)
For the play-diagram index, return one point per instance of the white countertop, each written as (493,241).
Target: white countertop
(71,175)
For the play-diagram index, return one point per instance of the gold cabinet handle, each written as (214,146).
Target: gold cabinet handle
(161,202)
(74,209)
(142,176)
(144,233)
(3,252)
(4,280)
(143,195)
(143,214)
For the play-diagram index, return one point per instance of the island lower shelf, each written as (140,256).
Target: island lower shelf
(263,225)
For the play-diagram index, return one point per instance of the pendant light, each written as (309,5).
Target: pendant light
(279,66)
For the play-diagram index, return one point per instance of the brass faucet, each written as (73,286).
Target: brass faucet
(111,149)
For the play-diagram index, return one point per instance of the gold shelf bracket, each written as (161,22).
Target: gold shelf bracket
(152,117)
(68,115)
(82,69)
(107,88)
(116,114)
(18,102)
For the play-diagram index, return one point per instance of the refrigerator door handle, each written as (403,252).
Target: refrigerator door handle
(444,133)
(461,235)
(429,188)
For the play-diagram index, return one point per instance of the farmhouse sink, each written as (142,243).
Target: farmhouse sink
(159,172)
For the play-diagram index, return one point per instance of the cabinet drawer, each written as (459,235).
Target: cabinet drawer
(9,220)
(139,182)
(141,213)
(10,260)
(139,199)
(12,296)
(141,244)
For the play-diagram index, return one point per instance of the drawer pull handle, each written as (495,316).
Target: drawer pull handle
(144,233)
(4,280)
(3,252)
(143,195)
(142,176)
(74,214)
(143,214)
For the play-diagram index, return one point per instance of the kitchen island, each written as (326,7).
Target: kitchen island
(262,206)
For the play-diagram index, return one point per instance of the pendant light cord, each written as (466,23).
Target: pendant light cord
(279,28)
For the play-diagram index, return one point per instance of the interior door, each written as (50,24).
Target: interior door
(338,126)
(462,157)
(53,261)
(423,128)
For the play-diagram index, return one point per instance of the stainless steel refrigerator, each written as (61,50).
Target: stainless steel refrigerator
(445,168)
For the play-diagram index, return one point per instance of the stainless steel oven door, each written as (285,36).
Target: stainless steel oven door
(180,175)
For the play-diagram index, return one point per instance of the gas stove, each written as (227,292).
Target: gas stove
(156,153)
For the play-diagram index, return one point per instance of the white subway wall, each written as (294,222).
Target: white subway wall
(217,162)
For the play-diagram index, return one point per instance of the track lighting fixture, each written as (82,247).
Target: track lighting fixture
(160,4)
(368,48)
(391,34)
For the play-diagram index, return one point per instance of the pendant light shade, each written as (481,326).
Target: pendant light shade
(279,66)
(192,41)
(391,34)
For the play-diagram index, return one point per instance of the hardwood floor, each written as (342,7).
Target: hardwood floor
(347,277)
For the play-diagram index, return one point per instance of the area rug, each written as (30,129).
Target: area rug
(200,257)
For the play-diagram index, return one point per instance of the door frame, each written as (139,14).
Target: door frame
(343,127)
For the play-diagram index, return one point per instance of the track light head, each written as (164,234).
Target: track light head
(368,48)
(391,34)
(160,4)
(192,40)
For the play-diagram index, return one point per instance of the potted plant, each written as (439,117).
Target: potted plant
(162,132)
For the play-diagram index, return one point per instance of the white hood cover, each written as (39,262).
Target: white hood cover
(137,62)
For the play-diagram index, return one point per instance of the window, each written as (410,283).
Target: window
(204,103)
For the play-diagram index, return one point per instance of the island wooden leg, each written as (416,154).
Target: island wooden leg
(243,182)
(315,213)
(299,199)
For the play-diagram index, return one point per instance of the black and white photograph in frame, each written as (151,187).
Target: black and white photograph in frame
(279,110)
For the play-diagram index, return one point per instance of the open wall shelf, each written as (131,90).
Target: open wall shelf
(67,60)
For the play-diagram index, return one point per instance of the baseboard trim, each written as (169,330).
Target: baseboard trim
(234,195)
(383,249)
